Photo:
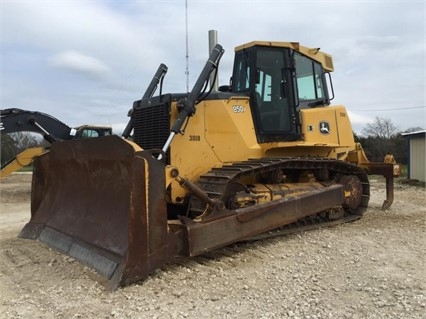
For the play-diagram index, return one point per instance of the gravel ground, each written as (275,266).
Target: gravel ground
(371,268)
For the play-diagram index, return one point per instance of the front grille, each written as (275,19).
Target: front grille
(151,123)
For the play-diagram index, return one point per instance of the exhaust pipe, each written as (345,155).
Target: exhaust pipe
(212,43)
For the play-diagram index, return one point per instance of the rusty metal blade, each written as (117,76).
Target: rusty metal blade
(102,202)
(254,220)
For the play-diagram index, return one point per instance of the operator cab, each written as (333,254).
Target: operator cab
(280,80)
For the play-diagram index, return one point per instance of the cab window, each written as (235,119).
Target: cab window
(241,78)
(272,104)
(89,133)
(309,78)
(263,86)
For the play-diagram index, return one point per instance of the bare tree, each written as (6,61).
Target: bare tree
(413,129)
(14,143)
(382,128)
(382,136)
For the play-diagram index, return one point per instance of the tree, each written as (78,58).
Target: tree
(383,137)
(382,128)
(8,148)
(413,129)
(14,143)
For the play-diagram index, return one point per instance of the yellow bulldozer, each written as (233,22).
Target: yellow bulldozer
(200,170)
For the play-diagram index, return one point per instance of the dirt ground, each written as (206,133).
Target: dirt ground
(371,268)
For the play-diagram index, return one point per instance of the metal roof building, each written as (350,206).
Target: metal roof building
(416,155)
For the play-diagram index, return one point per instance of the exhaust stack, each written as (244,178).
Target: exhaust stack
(214,79)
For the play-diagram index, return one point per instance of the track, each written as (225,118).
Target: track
(304,225)
(219,183)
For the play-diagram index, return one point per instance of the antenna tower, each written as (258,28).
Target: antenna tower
(187,49)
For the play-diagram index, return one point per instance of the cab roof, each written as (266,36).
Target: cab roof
(314,53)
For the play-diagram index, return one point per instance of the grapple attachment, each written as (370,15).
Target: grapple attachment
(102,202)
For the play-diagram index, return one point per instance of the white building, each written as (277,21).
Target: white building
(416,155)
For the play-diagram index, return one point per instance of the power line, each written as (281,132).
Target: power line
(394,109)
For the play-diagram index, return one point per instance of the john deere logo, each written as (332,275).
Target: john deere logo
(324,127)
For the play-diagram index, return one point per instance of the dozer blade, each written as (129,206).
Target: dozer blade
(102,202)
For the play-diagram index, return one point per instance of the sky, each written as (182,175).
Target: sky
(85,62)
